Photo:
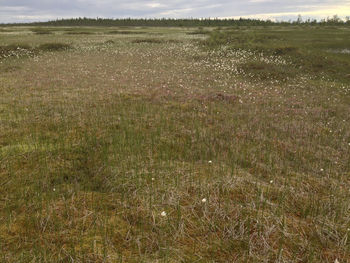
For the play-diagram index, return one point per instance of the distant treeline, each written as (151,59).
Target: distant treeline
(193,22)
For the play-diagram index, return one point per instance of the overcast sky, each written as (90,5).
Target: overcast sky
(42,10)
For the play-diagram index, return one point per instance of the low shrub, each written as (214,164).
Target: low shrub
(267,71)
(15,50)
(41,31)
(126,32)
(199,32)
(54,47)
(155,41)
(285,50)
(79,33)
(148,40)
(109,42)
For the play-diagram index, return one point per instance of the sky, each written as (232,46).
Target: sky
(43,10)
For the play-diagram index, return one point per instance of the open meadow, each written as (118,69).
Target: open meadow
(153,144)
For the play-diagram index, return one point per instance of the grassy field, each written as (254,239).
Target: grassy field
(175,144)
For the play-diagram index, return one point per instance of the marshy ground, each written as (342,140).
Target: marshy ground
(175,144)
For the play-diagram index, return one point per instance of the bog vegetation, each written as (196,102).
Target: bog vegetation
(156,144)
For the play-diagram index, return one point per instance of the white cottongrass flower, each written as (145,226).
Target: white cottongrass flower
(153,179)
(204,200)
(321,170)
(210,161)
(163,214)
(271,181)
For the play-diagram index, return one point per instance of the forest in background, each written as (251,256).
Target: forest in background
(189,22)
